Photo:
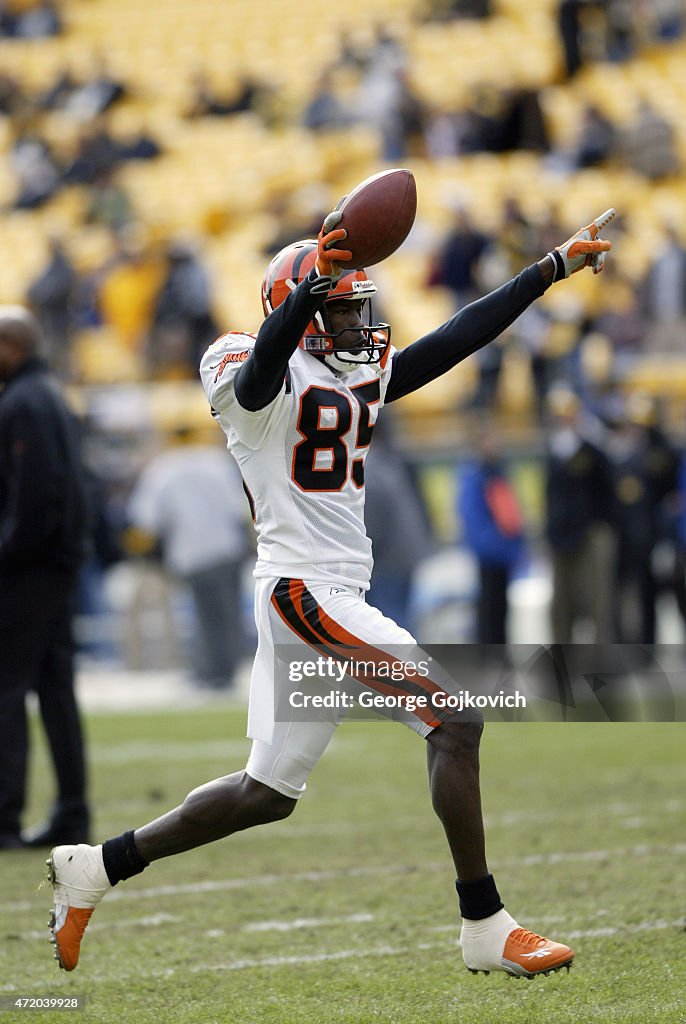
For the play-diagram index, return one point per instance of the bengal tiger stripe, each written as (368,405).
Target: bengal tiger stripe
(301,612)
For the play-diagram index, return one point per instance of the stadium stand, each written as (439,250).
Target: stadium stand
(220,179)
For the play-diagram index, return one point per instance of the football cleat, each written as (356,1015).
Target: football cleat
(499,944)
(79,880)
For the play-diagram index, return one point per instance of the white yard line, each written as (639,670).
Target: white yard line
(305,958)
(306,922)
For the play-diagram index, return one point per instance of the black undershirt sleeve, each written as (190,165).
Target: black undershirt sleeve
(261,376)
(465,333)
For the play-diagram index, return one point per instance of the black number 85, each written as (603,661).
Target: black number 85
(321,460)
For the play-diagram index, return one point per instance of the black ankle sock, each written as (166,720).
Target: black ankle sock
(479,898)
(121,858)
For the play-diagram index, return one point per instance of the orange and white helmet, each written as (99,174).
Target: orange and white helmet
(292,265)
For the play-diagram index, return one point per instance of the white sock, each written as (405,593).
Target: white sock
(483,941)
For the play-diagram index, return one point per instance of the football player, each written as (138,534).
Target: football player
(298,403)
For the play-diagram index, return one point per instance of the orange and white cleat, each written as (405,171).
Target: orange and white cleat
(79,882)
(499,944)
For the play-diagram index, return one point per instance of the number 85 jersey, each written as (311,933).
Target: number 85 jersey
(302,460)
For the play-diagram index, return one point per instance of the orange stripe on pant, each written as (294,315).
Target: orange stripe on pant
(329,631)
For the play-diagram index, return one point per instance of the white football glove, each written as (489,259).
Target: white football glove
(583,249)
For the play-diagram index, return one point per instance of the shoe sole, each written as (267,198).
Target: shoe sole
(50,877)
(529,975)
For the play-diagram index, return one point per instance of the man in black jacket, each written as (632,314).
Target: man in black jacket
(578,502)
(43,527)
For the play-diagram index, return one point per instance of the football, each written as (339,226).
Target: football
(378,215)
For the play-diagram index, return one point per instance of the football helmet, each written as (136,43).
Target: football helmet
(292,265)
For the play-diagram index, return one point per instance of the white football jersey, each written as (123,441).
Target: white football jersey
(302,460)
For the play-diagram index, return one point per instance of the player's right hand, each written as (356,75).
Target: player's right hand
(328,253)
(583,249)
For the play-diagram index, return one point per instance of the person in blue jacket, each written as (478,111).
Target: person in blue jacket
(492,532)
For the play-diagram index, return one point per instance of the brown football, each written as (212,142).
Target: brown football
(378,215)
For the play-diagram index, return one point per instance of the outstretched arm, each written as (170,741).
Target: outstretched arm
(465,333)
(482,321)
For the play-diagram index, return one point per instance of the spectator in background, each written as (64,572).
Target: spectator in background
(549,228)
(50,297)
(517,238)
(525,126)
(669,18)
(138,145)
(99,92)
(402,134)
(206,102)
(57,94)
(620,29)
(189,499)
(648,144)
(108,203)
(40,21)
(596,139)
(35,167)
(501,120)
(183,321)
(578,500)
(569,25)
(621,318)
(663,295)
(8,21)
(12,98)
(326,111)
(398,526)
(387,99)
(97,153)
(128,286)
(353,52)
(448,10)
(43,539)
(492,531)
(456,264)
(679,567)
(93,608)
(644,473)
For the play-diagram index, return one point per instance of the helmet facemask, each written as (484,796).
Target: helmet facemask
(371,343)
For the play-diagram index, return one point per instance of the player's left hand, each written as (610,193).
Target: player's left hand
(583,249)
(328,253)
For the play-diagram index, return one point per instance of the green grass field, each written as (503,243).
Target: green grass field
(346,911)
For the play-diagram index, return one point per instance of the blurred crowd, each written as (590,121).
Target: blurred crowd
(614,30)
(641,317)
(154,297)
(613,525)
